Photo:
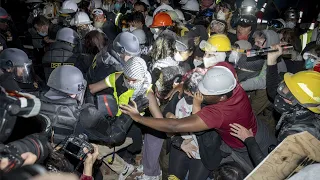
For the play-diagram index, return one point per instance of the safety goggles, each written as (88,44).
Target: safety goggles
(97,12)
(207,47)
(276,24)
(284,92)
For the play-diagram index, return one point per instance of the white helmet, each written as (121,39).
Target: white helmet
(173,14)
(49,11)
(146,2)
(180,14)
(68,7)
(33,1)
(217,81)
(191,5)
(183,1)
(81,18)
(141,35)
(76,1)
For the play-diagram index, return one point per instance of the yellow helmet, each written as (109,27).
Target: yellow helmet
(216,43)
(305,87)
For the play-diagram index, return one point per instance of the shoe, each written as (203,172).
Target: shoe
(145,177)
(126,172)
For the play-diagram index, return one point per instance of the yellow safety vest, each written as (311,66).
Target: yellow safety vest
(306,38)
(124,98)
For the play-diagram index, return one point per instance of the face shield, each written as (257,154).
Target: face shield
(23,74)
(80,97)
(207,47)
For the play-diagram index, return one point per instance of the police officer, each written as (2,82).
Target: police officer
(65,51)
(17,72)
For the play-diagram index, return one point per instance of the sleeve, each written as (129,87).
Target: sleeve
(108,80)
(211,116)
(273,80)
(155,75)
(84,177)
(176,141)
(254,150)
(255,83)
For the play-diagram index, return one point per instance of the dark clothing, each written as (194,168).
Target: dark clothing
(254,150)
(273,80)
(110,30)
(84,62)
(180,164)
(7,81)
(149,35)
(60,53)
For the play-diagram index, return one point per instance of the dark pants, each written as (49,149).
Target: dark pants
(180,164)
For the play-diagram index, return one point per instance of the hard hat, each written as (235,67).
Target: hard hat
(126,42)
(218,80)
(180,15)
(248,3)
(76,1)
(67,79)
(216,43)
(68,7)
(161,19)
(191,5)
(291,13)
(305,87)
(3,13)
(68,35)
(245,20)
(146,2)
(173,15)
(33,1)
(183,1)
(81,18)
(141,35)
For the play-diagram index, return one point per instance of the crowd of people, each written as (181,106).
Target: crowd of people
(203,89)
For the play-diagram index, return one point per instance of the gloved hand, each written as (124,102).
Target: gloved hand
(29,104)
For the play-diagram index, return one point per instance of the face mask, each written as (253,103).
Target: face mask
(155,30)
(83,31)
(178,57)
(98,24)
(211,61)
(189,99)
(309,63)
(221,15)
(132,28)
(155,36)
(197,62)
(131,85)
(117,7)
(281,106)
(290,24)
(234,57)
(125,29)
(42,34)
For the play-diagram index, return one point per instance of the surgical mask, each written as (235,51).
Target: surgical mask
(125,29)
(309,63)
(117,7)
(178,57)
(290,24)
(98,24)
(155,36)
(221,15)
(197,62)
(155,30)
(132,28)
(42,34)
(234,57)
(211,61)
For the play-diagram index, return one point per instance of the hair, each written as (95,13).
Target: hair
(162,48)
(193,79)
(229,171)
(139,3)
(56,161)
(228,94)
(288,35)
(40,21)
(138,17)
(95,41)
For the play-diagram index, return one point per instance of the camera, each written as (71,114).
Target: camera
(74,145)
(35,143)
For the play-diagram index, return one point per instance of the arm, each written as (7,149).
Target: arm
(197,100)
(153,105)
(101,85)
(255,83)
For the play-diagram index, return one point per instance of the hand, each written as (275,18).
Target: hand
(188,148)
(90,159)
(170,115)
(273,56)
(197,98)
(132,111)
(240,132)
(177,88)
(48,40)
(29,158)
(4,163)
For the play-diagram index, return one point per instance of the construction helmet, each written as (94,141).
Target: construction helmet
(68,7)
(191,5)
(217,81)
(173,14)
(141,35)
(180,15)
(68,35)
(128,43)
(291,13)
(305,87)
(81,18)
(216,43)
(161,19)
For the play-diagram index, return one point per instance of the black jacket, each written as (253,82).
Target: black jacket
(59,52)
(7,81)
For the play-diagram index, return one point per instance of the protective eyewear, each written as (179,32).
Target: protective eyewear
(97,12)
(207,47)
(276,24)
